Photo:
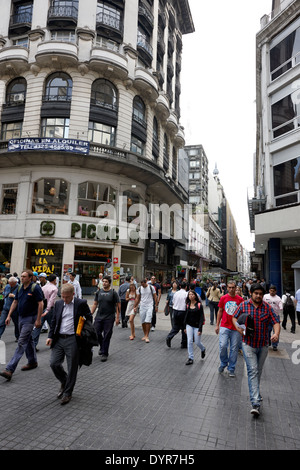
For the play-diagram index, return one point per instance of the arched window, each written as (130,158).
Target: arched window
(58,87)
(166,153)
(139,111)
(50,196)
(104,94)
(155,139)
(16,91)
(174,164)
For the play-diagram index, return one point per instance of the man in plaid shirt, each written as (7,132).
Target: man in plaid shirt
(255,345)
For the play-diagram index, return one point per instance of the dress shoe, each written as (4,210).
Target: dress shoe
(65,399)
(29,366)
(168,341)
(6,374)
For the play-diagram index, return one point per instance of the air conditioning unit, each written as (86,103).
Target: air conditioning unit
(19,97)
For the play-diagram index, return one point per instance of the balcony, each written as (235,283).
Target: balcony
(58,52)
(110,24)
(63,16)
(107,60)
(145,49)
(20,23)
(145,82)
(146,18)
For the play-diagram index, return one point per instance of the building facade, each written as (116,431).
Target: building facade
(90,135)
(275,204)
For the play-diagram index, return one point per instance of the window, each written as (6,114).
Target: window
(16,92)
(131,198)
(21,42)
(22,12)
(155,140)
(194,164)
(107,43)
(9,198)
(109,15)
(101,133)
(286,114)
(91,195)
(64,36)
(11,130)
(137,145)
(287,182)
(139,111)
(286,54)
(50,196)
(166,153)
(58,87)
(55,127)
(104,94)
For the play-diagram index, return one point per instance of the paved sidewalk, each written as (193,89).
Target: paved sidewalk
(145,398)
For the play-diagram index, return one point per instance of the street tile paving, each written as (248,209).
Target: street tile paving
(145,398)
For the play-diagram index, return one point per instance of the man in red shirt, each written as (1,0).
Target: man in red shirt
(228,335)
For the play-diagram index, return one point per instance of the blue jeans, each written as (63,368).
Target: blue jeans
(192,336)
(25,343)
(231,339)
(14,318)
(255,359)
(37,331)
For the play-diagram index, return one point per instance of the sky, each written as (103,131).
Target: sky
(218,92)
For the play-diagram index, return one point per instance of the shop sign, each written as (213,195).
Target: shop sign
(44,263)
(46,144)
(101,232)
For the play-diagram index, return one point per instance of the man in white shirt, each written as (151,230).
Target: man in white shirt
(289,304)
(77,288)
(276,303)
(145,297)
(179,309)
(63,340)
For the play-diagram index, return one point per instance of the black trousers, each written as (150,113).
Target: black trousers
(177,325)
(65,348)
(292,315)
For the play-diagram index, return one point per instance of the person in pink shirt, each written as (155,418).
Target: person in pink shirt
(50,293)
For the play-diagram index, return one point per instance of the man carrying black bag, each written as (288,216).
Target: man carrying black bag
(256,315)
(64,341)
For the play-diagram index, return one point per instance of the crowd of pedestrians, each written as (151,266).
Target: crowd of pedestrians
(246,319)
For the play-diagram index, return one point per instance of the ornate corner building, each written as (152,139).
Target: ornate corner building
(90,128)
(274,207)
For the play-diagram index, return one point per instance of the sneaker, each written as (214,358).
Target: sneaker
(189,361)
(221,369)
(168,341)
(103,358)
(255,410)
(153,328)
(203,353)
(231,374)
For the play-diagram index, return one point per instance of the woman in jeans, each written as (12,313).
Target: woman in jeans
(194,321)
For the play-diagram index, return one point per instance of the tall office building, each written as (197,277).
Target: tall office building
(275,203)
(90,134)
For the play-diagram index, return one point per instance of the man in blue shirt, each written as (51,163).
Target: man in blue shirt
(29,300)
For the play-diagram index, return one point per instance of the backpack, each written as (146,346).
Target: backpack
(289,304)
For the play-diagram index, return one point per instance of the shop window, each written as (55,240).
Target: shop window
(45,258)
(130,199)
(58,87)
(5,257)
(102,133)
(11,130)
(50,196)
(91,196)
(55,128)
(9,198)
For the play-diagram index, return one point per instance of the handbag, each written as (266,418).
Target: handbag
(166,310)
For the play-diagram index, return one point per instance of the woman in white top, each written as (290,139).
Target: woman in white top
(130,297)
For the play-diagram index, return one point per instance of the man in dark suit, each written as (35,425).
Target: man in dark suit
(63,340)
